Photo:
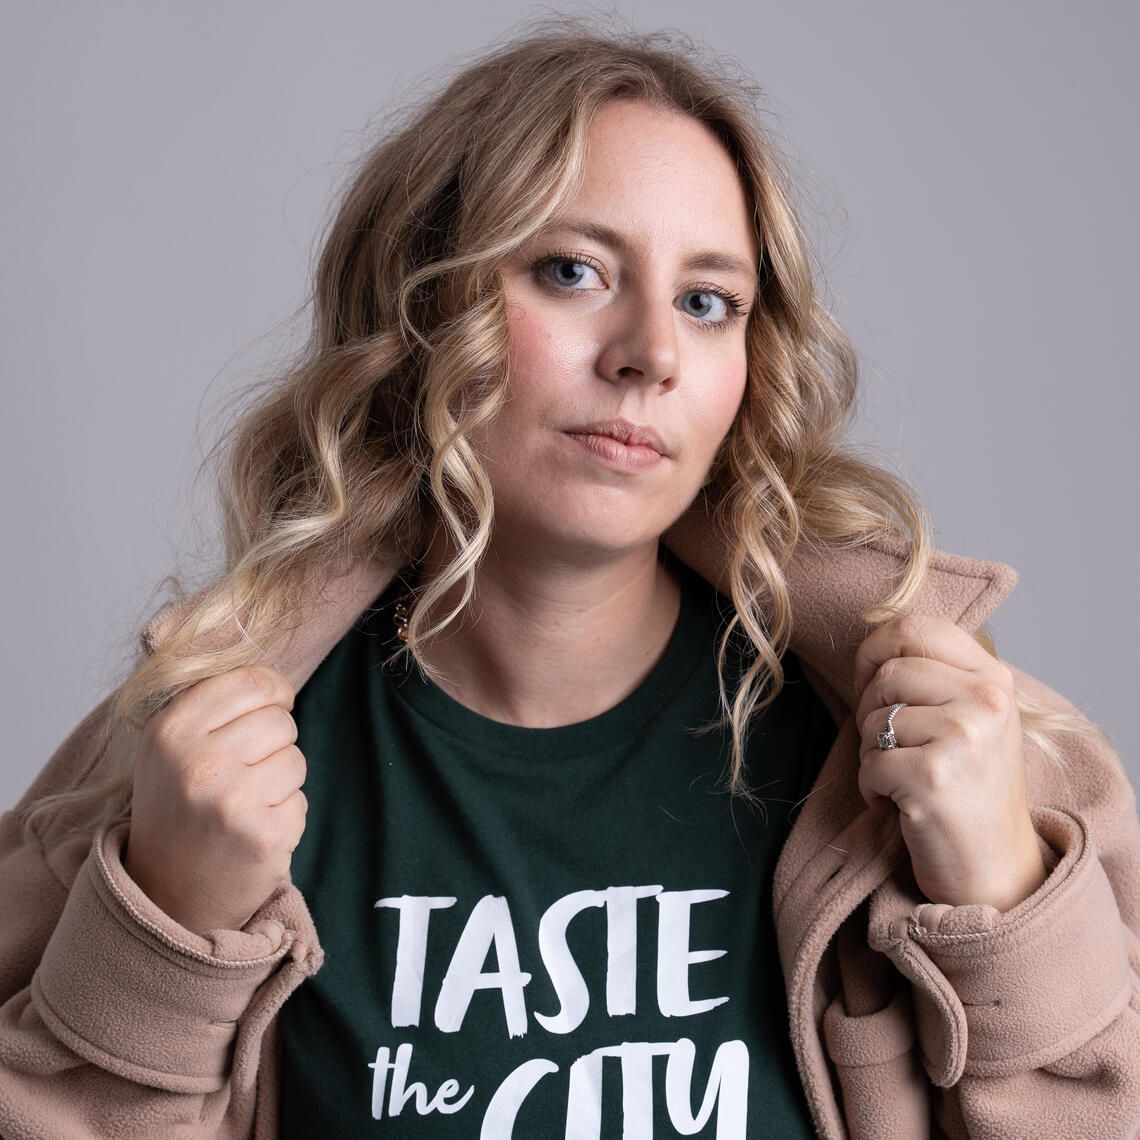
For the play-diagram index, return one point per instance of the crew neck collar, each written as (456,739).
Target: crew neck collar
(698,621)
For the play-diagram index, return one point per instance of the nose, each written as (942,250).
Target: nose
(641,345)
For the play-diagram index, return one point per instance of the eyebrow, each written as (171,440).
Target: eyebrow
(710,259)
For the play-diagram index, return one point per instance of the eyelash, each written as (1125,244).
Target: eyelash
(734,302)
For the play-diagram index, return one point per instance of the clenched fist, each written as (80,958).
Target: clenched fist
(217,808)
(956,776)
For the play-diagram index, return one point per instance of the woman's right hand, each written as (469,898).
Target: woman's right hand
(217,808)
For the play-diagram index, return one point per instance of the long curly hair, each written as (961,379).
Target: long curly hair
(361,446)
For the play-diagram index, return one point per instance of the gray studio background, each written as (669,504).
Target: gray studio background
(970,173)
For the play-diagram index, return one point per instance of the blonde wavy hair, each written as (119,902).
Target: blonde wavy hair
(362,445)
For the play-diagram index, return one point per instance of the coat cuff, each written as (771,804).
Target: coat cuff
(1021,989)
(124,986)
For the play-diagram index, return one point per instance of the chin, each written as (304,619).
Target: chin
(587,530)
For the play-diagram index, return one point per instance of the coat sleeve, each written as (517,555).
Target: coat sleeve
(116,1021)
(1029,1021)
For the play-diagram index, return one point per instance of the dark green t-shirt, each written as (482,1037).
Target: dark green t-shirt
(560,932)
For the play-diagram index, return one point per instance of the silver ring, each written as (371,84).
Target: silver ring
(887,739)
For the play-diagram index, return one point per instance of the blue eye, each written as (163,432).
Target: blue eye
(569,273)
(704,306)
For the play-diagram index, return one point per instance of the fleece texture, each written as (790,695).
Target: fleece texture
(908,1018)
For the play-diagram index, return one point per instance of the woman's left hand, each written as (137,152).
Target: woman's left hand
(956,777)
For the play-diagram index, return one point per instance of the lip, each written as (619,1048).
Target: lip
(624,432)
(620,443)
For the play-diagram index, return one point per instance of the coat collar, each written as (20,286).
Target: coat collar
(829,589)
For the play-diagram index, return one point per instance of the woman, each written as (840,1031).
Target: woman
(568,373)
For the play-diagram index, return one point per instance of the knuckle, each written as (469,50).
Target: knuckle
(302,765)
(938,772)
(933,771)
(917,813)
(965,727)
(973,733)
(276,731)
(288,726)
(992,698)
(286,688)
(230,810)
(253,677)
(296,832)
(169,729)
(910,627)
(265,845)
(264,732)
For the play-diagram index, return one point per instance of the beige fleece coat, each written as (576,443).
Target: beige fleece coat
(908,1018)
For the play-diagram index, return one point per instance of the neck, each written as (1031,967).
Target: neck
(547,643)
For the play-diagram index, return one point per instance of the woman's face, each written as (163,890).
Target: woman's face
(627,320)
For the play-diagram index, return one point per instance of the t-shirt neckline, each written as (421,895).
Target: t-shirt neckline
(696,627)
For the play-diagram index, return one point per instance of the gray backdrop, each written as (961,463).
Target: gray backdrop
(970,171)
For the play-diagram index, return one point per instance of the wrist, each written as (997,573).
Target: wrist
(188,915)
(1005,887)
(1005,896)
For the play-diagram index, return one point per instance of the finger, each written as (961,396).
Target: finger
(289,819)
(894,776)
(278,777)
(268,831)
(921,636)
(254,736)
(914,680)
(914,726)
(218,700)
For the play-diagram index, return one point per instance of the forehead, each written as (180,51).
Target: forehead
(659,176)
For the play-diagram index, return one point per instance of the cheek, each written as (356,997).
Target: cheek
(528,338)
(535,345)
(545,345)
(726,392)
(737,383)
(538,367)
